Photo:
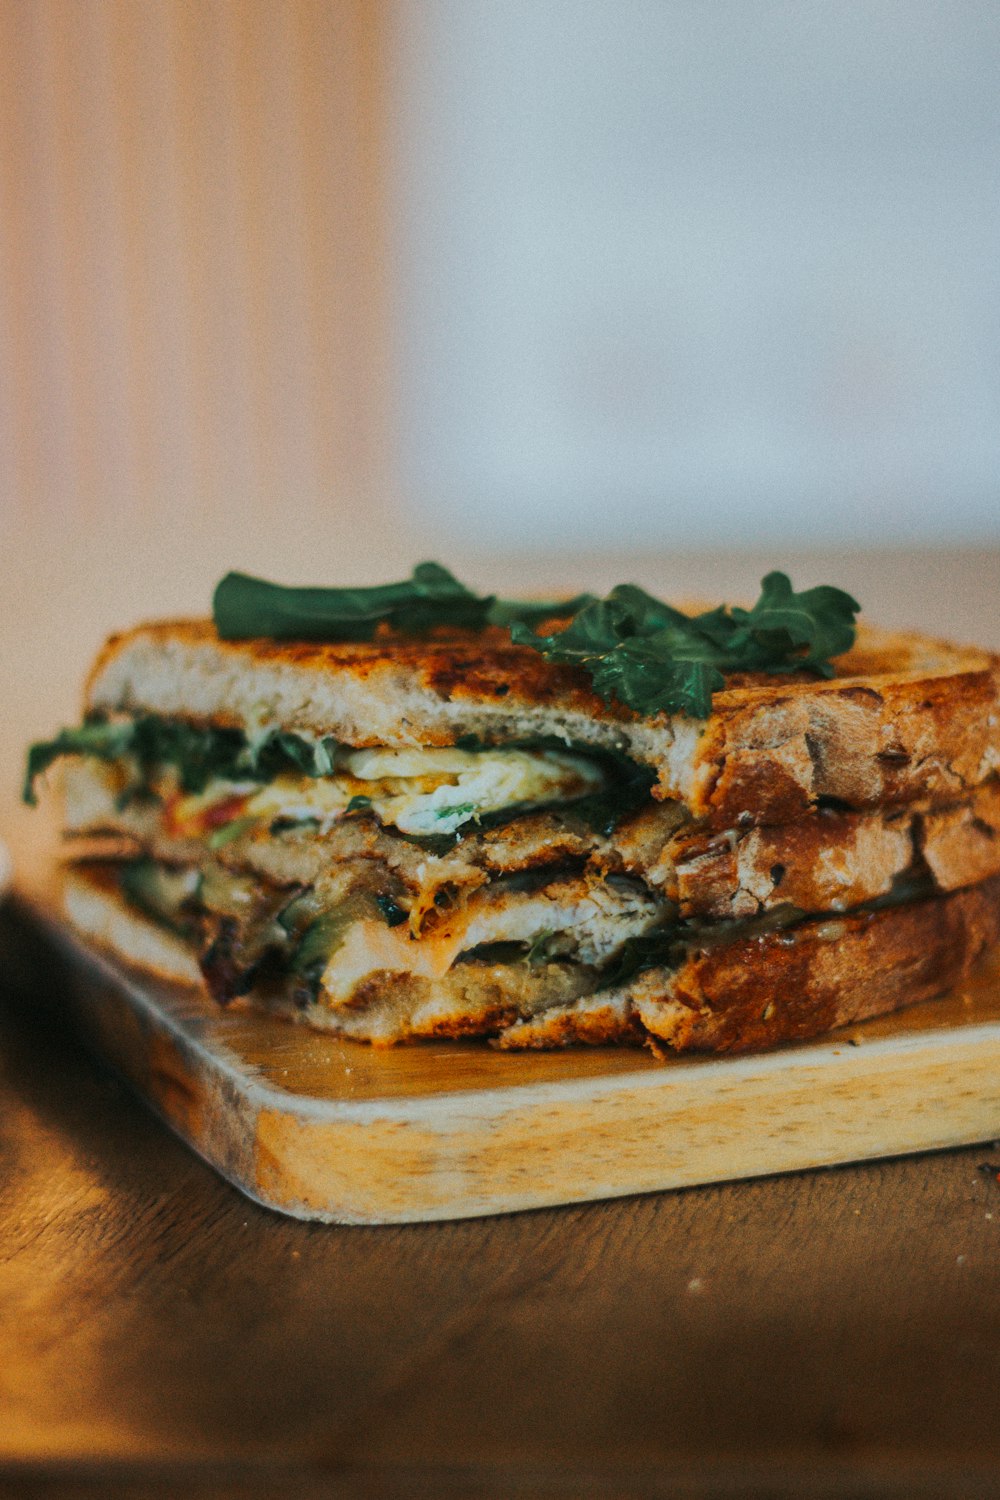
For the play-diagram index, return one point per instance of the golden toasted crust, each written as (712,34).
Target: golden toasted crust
(825,974)
(885,741)
(447,664)
(829,861)
(94,905)
(787,986)
(833,861)
(904,717)
(737,996)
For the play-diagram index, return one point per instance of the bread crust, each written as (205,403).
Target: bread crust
(746,996)
(833,861)
(827,862)
(904,717)
(737,996)
(787,986)
(95,907)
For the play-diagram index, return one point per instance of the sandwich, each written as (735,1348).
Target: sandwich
(414,812)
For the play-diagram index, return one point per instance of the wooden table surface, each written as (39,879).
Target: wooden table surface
(826,1333)
(831,1333)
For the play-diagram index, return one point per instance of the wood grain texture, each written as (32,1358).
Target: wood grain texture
(824,1334)
(329,1129)
(830,1333)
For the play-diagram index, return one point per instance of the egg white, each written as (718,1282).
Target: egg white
(422,791)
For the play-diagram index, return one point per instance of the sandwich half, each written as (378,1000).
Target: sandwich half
(451,835)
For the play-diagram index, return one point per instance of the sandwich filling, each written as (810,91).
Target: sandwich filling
(382,889)
(409,810)
(326,865)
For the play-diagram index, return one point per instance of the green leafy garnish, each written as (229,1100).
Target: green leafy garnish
(318,943)
(229,832)
(279,751)
(653,658)
(550,946)
(461,810)
(532,612)
(244,607)
(286,824)
(198,753)
(637,650)
(168,896)
(105,741)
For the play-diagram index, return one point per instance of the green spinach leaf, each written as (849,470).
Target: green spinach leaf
(508,612)
(653,658)
(97,738)
(245,607)
(199,753)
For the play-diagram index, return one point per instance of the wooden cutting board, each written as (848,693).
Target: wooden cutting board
(339,1131)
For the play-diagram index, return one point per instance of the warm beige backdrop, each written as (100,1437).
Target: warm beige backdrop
(192,252)
(192,317)
(196,352)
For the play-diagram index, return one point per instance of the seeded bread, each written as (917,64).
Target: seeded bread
(905,717)
(829,861)
(732,996)
(786,986)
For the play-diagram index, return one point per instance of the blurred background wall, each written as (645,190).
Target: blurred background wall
(550,289)
(192,318)
(687,273)
(192,245)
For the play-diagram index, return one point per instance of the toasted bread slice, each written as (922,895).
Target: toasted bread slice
(786,986)
(94,905)
(829,861)
(833,861)
(733,996)
(903,718)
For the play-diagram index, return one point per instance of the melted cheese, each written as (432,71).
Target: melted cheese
(416,791)
(436,791)
(598,917)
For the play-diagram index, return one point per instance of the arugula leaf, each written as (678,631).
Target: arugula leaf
(229,832)
(532,612)
(199,753)
(319,941)
(820,619)
(168,896)
(244,607)
(653,658)
(105,741)
(280,751)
